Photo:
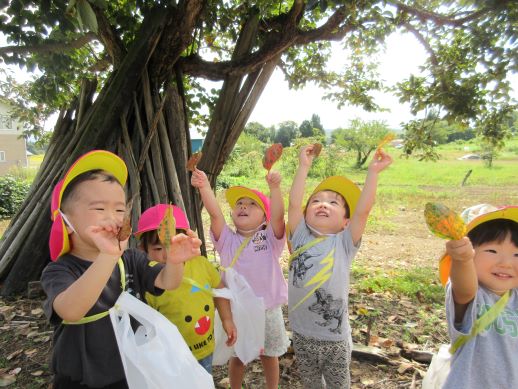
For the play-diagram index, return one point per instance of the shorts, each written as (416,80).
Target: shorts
(276,340)
(322,363)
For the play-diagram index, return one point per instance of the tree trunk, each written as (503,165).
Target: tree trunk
(145,122)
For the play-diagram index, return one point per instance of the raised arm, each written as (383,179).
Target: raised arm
(463,276)
(295,213)
(183,247)
(217,220)
(359,220)
(276,204)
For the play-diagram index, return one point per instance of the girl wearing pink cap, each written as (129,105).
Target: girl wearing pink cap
(253,250)
(191,306)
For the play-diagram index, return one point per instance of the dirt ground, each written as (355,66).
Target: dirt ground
(389,323)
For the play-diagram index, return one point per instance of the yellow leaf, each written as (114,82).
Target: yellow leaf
(167,228)
(388,138)
(443,222)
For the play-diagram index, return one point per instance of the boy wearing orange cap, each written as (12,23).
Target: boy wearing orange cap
(253,250)
(325,237)
(191,306)
(92,267)
(483,274)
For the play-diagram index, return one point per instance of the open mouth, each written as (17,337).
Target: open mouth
(202,325)
(502,276)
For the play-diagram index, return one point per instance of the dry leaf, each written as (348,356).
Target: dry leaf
(30,352)
(193,161)
(125,230)
(443,222)
(14,354)
(317,149)
(272,155)
(167,228)
(37,312)
(7,379)
(388,138)
(15,371)
(37,373)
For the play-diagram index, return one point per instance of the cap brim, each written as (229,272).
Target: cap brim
(343,186)
(509,213)
(234,193)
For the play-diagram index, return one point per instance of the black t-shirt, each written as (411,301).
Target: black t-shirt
(88,352)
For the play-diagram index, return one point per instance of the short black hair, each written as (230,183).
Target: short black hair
(150,238)
(90,175)
(494,230)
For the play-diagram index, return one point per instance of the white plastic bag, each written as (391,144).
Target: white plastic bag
(439,369)
(248,313)
(155,356)
(222,352)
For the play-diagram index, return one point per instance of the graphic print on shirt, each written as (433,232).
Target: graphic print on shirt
(299,267)
(329,309)
(259,241)
(319,278)
(506,324)
(202,323)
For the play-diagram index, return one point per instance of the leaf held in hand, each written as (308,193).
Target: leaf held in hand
(193,161)
(167,228)
(272,155)
(125,230)
(388,138)
(317,149)
(443,222)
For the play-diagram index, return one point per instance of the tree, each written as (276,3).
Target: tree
(311,128)
(361,137)
(286,132)
(125,76)
(258,131)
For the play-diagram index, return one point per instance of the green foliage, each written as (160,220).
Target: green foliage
(286,133)
(12,193)
(410,282)
(361,137)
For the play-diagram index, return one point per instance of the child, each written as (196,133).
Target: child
(258,243)
(484,266)
(191,306)
(91,269)
(325,236)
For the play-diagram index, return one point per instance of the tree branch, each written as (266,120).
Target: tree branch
(54,47)
(439,19)
(109,38)
(423,41)
(275,43)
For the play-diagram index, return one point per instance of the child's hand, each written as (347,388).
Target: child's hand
(184,247)
(380,161)
(273,179)
(199,179)
(460,250)
(104,236)
(306,155)
(230,329)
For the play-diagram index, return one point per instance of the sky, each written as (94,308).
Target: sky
(278,103)
(403,55)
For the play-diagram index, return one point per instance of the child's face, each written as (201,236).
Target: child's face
(325,212)
(497,265)
(92,203)
(155,252)
(247,215)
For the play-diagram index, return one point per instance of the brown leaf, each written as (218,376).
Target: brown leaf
(193,161)
(272,155)
(37,312)
(7,379)
(30,352)
(317,149)
(14,354)
(15,371)
(37,373)
(125,230)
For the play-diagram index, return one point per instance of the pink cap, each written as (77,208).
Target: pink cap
(152,217)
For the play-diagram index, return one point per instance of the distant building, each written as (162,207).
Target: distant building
(196,140)
(13,151)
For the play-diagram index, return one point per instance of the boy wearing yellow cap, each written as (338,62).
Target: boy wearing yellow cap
(92,267)
(483,270)
(253,250)
(325,236)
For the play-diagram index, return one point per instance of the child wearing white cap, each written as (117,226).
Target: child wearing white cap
(325,236)
(253,250)
(483,284)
